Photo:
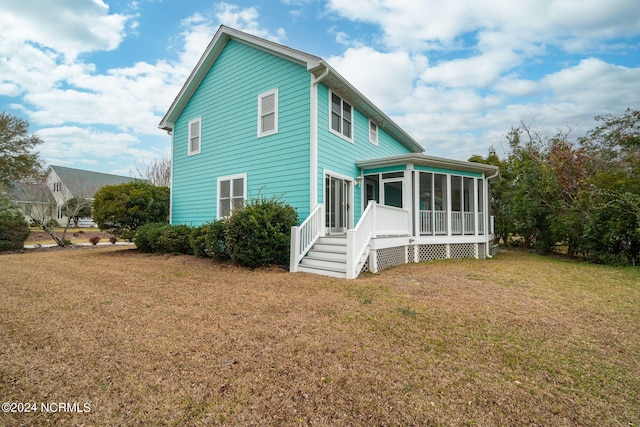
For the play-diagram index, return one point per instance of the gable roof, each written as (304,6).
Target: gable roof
(315,65)
(80,181)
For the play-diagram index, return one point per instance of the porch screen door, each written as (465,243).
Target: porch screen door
(336,204)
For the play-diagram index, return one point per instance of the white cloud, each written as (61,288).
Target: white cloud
(71,27)
(246,20)
(425,23)
(385,78)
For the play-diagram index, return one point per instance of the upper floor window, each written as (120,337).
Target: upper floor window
(373,133)
(232,191)
(268,113)
(195,127)
(57,186)
(341,117)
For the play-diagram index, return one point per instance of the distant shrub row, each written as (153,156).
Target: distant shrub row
(257,235)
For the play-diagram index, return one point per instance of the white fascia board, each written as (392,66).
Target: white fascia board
(422,159)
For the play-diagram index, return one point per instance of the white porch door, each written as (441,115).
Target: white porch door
(337,205)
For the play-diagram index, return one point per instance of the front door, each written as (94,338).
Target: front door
(337,205)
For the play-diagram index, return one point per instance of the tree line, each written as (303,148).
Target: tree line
(579,194)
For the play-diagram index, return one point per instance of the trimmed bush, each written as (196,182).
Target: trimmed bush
(160,237)
(147,235)
(14,230)
(198,240)
(94,240)
(216,240)
(260,233)
(174,240)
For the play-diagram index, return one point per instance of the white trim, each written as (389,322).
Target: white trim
(171,181)
(350,195)
(275,112)
(189,152)
(377,134)
(353,110)
(230,178)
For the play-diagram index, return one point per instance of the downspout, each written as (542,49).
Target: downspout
(170,132)
(488,220)
(313,191)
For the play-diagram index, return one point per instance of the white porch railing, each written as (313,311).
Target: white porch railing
(376,220)
(456,222)
(469,223)
(305,235)
(429,218)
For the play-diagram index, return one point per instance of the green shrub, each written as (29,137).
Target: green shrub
(216,240)
(14,230)
(198,240)
(260,233)
(147,235)
(173,239)
(160,237)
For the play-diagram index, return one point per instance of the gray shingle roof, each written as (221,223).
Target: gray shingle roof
(83,183)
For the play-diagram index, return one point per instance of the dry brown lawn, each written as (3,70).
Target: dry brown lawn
(175,340)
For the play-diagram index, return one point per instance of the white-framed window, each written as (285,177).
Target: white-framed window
(341,117)
(268,113)
(373,133)
(195,131)
(232,194)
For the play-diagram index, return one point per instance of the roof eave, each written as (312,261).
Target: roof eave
(490,171)
(217,43)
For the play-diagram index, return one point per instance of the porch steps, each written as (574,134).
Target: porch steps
(327,257)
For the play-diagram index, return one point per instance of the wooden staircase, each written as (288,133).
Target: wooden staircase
(328,257)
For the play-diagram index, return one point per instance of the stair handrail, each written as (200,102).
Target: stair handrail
(305,235)
(358,240)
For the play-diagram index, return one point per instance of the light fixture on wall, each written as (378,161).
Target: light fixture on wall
(358,180)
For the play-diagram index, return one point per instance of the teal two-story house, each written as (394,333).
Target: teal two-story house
(256,117)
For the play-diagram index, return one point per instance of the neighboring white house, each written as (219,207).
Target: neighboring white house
(62,184)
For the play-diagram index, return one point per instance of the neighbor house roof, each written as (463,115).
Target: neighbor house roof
(83,183)
(315,65)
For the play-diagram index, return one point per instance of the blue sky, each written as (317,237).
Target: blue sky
(95,77)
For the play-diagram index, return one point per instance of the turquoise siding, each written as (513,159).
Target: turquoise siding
(227,103)
(386,169)
(339,155)
(448,171)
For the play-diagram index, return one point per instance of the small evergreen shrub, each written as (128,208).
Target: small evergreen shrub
(198,240)
(113,240)
(216,240)
(173,239)
(160,237)
(94,240)
(147,235)
(260,233)
(14,230)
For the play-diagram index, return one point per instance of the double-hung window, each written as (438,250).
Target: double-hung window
(341,117)
(268,113)
(194,136)
(232,191)
(373,133)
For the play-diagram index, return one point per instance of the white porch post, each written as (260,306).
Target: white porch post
(449,206)
(416,203)
(475,206)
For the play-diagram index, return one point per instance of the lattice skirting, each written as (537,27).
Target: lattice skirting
(402,254)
